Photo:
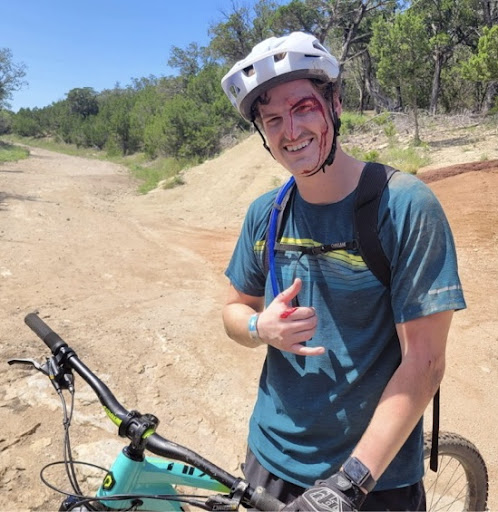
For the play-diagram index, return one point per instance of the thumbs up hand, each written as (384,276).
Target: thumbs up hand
(287,328)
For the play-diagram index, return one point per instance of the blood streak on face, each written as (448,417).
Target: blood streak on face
(312,105)
(297,125)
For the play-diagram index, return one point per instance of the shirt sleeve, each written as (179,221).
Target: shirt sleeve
(246,270)
(417,235)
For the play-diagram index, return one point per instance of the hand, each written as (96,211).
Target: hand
(329,496)
(286,327)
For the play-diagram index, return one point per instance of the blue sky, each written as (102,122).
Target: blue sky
(97,43)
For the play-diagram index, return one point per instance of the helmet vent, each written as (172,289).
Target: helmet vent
(234,90)
(249,71)
(279,56)
(318,46)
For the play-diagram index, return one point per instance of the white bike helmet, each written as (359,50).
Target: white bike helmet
(274,61)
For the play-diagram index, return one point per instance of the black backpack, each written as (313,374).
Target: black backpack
(371,185)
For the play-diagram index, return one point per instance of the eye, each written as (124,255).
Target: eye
(305,106)
(272,121)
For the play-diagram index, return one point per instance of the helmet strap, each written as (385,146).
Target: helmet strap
(337,128)
(265,145)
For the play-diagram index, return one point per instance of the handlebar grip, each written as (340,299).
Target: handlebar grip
(263,500)
(53,341)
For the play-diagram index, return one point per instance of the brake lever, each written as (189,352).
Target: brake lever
(31,362)
(60,378)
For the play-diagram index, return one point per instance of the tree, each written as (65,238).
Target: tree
(191,125)
(303,16)
(233,39)
(11,76)
(115,109)
(83,102)
(189,61)
(488,10)
(5,121)
(26,123)
(403,54)
(483,66)
(449,23)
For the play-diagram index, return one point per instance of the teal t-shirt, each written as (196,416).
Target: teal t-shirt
(311,411)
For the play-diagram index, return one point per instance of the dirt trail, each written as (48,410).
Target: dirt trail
(135,284)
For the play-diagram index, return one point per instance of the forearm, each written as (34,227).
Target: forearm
(236,320)
(401,406)
(409,391)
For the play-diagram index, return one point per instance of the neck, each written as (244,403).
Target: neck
(333,185)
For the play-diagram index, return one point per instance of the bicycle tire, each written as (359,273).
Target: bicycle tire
(461,482)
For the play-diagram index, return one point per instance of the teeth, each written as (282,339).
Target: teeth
(298,146)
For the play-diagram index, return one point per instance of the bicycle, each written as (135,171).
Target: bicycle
(137,481)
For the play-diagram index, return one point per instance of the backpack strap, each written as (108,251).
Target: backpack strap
(373,181)
(435,431)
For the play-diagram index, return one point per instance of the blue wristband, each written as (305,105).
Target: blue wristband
(253,327)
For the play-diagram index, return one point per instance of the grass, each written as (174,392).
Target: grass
(165,171)
(409,159)
(52,145)
(149,173)
(12,153)
(352,122)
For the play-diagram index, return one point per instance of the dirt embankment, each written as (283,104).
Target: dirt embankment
(135,284)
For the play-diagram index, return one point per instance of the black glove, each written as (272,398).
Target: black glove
(336,494)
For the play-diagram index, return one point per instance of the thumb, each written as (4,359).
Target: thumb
(290,293)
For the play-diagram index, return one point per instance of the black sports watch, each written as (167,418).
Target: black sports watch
(359,474)
(351,491)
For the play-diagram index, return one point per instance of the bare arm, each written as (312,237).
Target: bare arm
(412,386)
(236,313)
(279,325)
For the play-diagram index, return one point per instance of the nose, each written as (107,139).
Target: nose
(290,127)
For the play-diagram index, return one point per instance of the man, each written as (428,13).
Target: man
(351,364)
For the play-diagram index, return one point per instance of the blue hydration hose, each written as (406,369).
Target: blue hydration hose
(272,233)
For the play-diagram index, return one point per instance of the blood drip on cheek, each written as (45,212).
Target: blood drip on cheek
(323,138)
(314,105)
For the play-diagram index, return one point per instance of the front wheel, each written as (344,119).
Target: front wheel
(461,482)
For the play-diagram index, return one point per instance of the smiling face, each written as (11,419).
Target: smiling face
(297,122)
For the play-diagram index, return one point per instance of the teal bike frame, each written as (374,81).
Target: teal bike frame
(152,476)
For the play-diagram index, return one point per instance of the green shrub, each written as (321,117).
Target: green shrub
(166,170)
(371,156)
(382,118)
(352,122)
(409,159)
(390,130)
(11,153)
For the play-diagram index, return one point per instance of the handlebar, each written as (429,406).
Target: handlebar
(257,497)
(53,341)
